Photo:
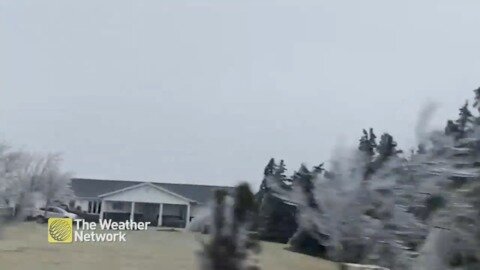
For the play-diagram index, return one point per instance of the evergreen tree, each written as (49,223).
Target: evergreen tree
(368,146)
(387,146)
(368,143)
(305,180)
(270,168)
(465,118)
(280,177)
(268,172)
(459,128)
(309,237)
(277,217)
(451,129)
(231,245)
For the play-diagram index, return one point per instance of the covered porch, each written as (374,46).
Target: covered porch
(147,203)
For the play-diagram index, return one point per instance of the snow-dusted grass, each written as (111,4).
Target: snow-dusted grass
(24,246)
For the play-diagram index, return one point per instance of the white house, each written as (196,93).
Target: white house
(162,204)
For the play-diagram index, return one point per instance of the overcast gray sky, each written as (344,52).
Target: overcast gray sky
(208,91)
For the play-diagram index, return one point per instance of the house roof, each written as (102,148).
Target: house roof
(94,188)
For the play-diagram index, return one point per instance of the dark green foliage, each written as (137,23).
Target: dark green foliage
(459,128)
(451,129)
(305,180)
(245,204)
(277,217)
(280,177)
(387,146)
(465,118)
(268,172)
(270,168)
(280,170)
(368,143)
(308,237)
(230,243)
(376,154)
(368,146)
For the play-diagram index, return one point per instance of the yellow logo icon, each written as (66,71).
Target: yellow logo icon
(60,230)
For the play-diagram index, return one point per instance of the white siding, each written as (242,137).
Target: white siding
(125,207)
(146,194)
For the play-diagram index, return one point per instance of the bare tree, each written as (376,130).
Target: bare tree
(27,178)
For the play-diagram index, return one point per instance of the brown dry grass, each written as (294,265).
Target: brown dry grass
(24,246)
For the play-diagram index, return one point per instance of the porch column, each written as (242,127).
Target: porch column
(98,209)
(102,206)
(132,212)
(187,220)
(160,214)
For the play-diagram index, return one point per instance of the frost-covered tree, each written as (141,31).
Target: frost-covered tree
(353,220)
(331,211)
(454,239)
(28,179)
(378,207)
(399,232)
(10,164)
(451,167)
(54,183)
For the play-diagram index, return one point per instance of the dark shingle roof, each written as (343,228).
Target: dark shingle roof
(92,188)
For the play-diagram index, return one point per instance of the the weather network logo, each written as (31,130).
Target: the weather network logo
(60,230)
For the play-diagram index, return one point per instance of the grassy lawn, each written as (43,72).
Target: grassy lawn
(25,246)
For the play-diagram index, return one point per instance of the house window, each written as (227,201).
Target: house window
(90,206)
(117,205)
(94,207)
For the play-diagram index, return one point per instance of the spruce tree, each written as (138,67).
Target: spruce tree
(231,246)
(277,217)
(305,180)
(367,146)
(270,168)
(368,143)
(464,120)
(387,146)
(279,175)
(268,172)
(451,129)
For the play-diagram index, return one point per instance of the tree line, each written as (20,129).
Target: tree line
(380,205)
